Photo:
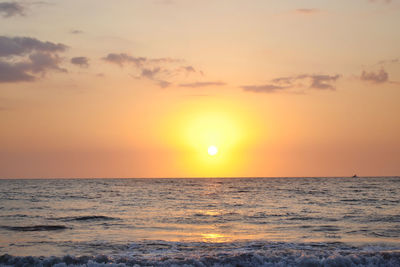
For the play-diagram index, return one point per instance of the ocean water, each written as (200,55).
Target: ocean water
(200,222)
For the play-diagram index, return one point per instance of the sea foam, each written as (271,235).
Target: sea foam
(161,253)
(242,259)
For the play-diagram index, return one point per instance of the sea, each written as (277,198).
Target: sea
(322,221)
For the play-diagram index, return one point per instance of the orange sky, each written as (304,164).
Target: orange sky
(143,88)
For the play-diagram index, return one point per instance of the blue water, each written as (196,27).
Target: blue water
(201,222)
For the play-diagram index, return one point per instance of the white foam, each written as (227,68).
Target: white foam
(255,253)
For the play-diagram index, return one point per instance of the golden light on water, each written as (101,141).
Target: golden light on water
(213,237)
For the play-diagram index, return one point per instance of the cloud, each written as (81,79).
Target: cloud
(375,77)
(153,75)
(23,71)
(163,84)
(82,62)
(313,81)
(12,46)
(14,73)
(188,69)
(150,73)
(41,3)
(383,1)
(22,59)
(76,32)
(42,62)
(122,58)
(202,84)
(159,70)
(266,88)
(10,9)
(307,11)
(323,82)
(390,61)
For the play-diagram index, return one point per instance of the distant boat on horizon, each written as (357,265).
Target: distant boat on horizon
(355,176)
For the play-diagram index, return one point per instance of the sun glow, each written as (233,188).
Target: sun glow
(212,150)
(209,138)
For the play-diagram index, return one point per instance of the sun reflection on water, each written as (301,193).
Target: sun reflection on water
(213,237)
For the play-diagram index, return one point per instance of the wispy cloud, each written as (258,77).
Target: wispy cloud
(76,32)
(122,58)
(380,76)
(313,81)
(389,61)
(23,58)
(188,69)
(154,75)
(82,62)
(150,73)
(307,11)
(159,70)
(201,84)
(266,88)
(322,82)
(381,1)
(10,9)
(163,84)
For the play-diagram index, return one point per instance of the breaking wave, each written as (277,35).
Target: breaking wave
(242,259)
(163,253)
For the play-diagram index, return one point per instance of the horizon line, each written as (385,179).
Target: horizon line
(197,177)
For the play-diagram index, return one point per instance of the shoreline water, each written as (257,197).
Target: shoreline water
(254,253)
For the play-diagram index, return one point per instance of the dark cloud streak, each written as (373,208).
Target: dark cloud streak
(280,84)
(307,11)
(82,62)
(266,88)
(13,46)
(122,58)
(322,82)
(390,61)
(10,9)
(76,32)
(375,77)
(202,84)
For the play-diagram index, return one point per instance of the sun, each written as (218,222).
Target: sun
(212,150)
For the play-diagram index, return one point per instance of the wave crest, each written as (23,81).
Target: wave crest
(35,228)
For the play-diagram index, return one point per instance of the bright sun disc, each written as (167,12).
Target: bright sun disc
(212,150)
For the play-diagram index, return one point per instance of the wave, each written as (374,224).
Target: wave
(86,218)
(240,259)
(251,253)
(35,228)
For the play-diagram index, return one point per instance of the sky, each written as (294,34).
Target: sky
(142,88)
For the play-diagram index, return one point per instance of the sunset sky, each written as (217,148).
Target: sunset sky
(142,88)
